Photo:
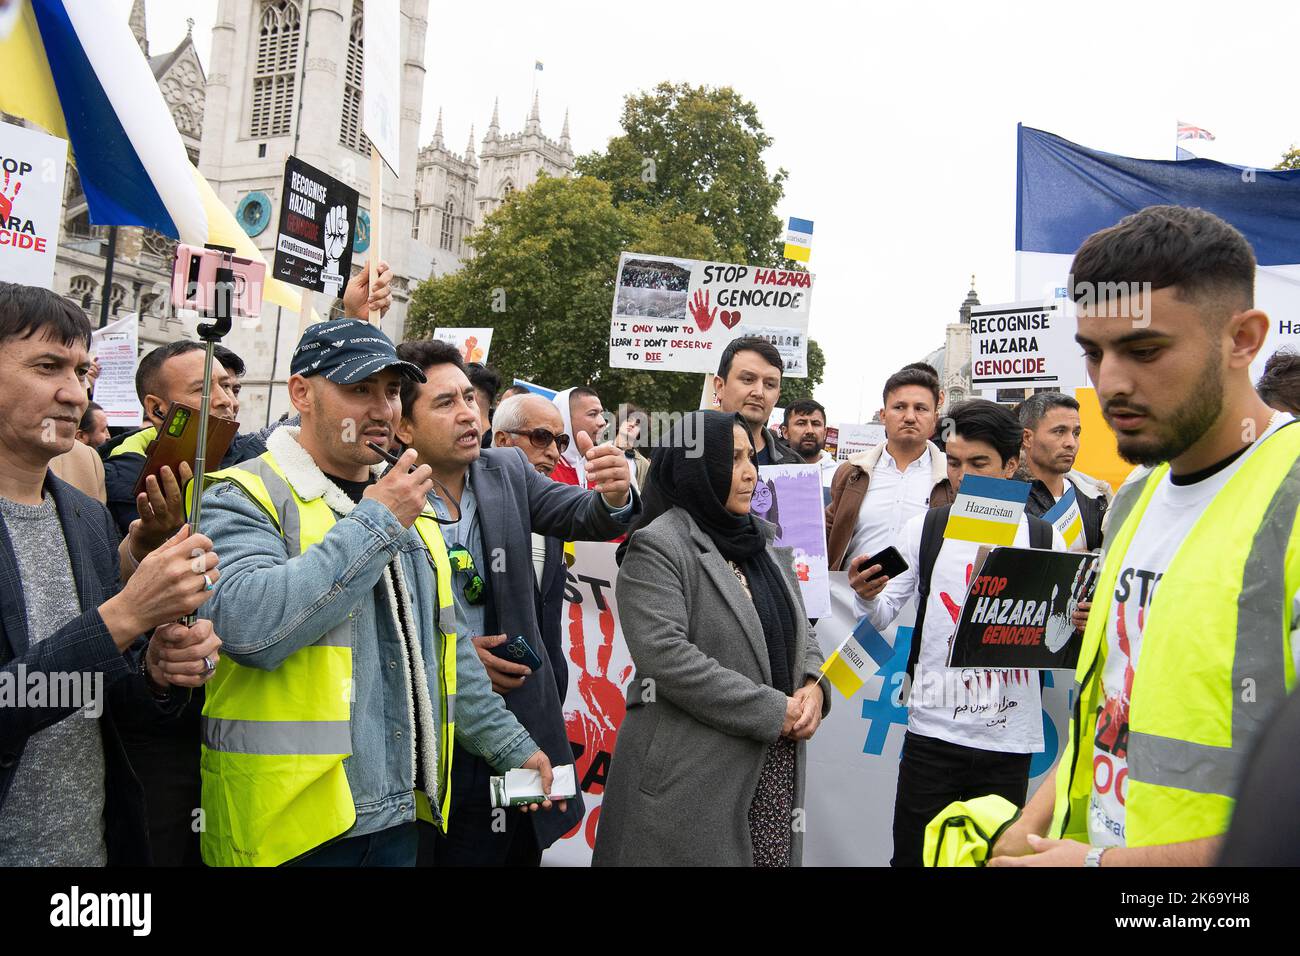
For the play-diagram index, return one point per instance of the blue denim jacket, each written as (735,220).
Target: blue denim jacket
(267,605)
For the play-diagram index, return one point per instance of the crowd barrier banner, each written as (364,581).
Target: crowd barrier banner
(852,761)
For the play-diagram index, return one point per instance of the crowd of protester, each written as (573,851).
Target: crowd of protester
(374,603)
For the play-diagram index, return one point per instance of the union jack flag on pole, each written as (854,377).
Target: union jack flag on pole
(1188,131)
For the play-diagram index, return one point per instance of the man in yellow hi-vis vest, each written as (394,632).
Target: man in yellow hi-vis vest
(1190,645)
(328,723)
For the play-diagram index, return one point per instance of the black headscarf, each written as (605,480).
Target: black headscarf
(692,471)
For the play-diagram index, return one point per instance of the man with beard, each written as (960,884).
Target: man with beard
(805,432)
(1052,430)
(1191,646)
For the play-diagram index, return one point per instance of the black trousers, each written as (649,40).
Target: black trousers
(478,835)
(934,773)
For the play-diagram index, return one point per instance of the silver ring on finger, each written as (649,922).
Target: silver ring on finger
(209,666)
(207,586)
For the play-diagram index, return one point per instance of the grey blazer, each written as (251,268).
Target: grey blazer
(701,710)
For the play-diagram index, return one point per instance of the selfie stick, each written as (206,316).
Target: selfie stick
(223,292)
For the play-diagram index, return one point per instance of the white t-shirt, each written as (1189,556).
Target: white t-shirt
(999,710)
(1168,519)
(893,498)
(828,466)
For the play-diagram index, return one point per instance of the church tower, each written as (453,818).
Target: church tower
(514,161)
(955,375)
(286,80)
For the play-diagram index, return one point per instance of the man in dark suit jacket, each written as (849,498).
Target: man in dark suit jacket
(68,627)
(502,501)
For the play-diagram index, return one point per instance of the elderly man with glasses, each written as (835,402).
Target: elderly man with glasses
(493,500)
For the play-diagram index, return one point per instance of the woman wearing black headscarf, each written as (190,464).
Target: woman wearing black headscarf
(709,764)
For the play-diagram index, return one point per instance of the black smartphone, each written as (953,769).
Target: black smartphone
(517,650)
(891,563)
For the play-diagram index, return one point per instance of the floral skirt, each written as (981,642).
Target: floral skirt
(771,812)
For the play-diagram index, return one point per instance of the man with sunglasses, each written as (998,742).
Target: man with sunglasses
(499,501)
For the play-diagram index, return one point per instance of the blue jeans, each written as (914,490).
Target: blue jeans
(395,846)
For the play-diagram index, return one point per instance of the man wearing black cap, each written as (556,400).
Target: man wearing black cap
(327,725)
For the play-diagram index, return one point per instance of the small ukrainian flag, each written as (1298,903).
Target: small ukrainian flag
(798,239)
(857,659)
(987,510)
(1066,518)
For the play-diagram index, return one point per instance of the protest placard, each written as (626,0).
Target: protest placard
(987,510)
(855,437)
(381,110)
(679,314)
(790,497)
(32,166)
(1018,611)
(1024,345)
(116,346)
(313,249)
(832,441)
(472,343)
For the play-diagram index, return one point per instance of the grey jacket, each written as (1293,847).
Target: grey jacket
(701,708)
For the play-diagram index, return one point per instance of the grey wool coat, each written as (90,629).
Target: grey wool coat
(690,749)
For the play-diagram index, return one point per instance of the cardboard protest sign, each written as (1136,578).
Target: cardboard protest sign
(790,496)
(1018,611)
(791,343)
(32,167)
(313,249)
(832,441)
(987,510)
(854,438)
(679,314)
(116,346)
(472,343)
(381,109)
(1024,345)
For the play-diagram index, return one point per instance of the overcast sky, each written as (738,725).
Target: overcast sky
(895,122)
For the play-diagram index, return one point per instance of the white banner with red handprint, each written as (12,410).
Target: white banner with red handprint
(678,315)
(32,167)
(852,760)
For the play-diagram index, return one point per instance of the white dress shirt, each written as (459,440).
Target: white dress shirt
(893,497)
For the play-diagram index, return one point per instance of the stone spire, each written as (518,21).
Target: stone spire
(469,148)
(137,22)
(437,142)
(564,133)
(534,124)
(972,299)
(494,126)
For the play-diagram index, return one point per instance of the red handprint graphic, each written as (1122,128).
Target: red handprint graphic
(7,199)
(593,729)
(954,611)
(699,307)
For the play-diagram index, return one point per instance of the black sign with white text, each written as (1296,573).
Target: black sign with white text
(313,247)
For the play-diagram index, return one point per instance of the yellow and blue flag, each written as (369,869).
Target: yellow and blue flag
(987,510)
(798,239)
(75,70)
(857,659)
(1065,517)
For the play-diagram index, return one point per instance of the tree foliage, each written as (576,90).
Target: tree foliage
(542,276)
(1290,159)
(698,151)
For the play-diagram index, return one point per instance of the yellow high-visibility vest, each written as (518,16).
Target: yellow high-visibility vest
(136,444)
(274,741)
(1215,660)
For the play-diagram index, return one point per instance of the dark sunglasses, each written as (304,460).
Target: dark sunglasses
(541,437)
(462,562)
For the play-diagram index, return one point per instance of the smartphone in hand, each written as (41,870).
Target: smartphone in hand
(892,564)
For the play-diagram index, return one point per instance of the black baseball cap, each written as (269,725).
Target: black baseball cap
(348,350)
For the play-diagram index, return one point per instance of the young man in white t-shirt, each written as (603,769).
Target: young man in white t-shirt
(1171,364)
(970,731)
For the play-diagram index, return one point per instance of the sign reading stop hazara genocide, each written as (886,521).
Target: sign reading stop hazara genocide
(678,315)
(313,249)
(1024,345)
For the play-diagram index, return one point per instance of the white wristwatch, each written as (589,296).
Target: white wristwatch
(1094,856)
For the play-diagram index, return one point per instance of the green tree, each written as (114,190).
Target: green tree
(697,151)
(543,275)
(793,389)
(1290,159)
